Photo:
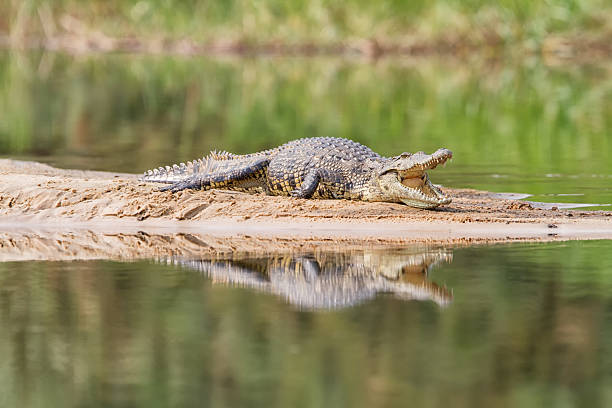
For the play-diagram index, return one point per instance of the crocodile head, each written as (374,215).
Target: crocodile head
(404,179)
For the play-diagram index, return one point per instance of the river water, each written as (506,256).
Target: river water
(504,325)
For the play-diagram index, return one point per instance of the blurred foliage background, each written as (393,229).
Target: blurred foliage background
(479,21)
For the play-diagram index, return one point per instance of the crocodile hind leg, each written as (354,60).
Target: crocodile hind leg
(221,177)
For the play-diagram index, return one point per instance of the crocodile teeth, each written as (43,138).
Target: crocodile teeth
(175,167)
(167,168)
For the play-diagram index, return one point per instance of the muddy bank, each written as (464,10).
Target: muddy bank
(554,49)
(44,200)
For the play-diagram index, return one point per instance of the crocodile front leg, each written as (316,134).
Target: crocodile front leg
(309,184)
(325,183)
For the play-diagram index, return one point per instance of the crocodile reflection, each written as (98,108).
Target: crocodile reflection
(332,280)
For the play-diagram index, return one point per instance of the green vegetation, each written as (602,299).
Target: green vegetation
(529,326)
(523,22)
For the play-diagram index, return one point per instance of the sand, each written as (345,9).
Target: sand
(46,212)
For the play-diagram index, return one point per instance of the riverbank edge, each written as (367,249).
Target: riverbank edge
(37,199)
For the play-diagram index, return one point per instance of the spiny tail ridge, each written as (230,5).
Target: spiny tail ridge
(224,155)
(178,172)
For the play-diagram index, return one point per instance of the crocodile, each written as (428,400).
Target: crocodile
(319,167)
(325,281)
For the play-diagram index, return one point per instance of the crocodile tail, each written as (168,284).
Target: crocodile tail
(178,172)
(206,165)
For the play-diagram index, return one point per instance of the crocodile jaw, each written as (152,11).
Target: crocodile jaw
(404,179)
(416,191)
(424,196)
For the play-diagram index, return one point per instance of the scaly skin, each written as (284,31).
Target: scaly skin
(318,167)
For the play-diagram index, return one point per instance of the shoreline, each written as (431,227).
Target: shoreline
(555,48)
(38,200)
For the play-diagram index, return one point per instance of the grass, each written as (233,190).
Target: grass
(529,24)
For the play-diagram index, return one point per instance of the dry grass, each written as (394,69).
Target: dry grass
(563,28)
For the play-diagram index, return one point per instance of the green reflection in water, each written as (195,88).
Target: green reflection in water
(513,127)
(529,325)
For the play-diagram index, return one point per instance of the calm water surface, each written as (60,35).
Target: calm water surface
(508,325)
